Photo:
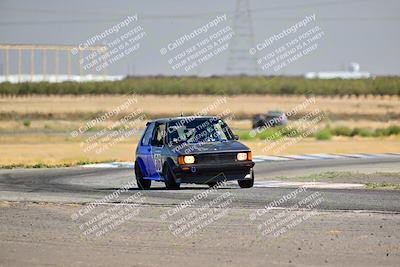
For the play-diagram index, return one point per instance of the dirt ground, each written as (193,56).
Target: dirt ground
(154,104)
(40,235)
(37,129)
(376,177)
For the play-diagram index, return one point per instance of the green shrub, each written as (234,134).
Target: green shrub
(273,133)
(26,123)
(324,134)
(244,135)
(365,132)
(270,133)
(381,132)
(229,85)
(393,130)
(361,132)
(290,132)
(342,130)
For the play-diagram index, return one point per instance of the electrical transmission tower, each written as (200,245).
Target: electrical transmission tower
(240,61)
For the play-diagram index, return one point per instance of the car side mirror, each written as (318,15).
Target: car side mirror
(236,137)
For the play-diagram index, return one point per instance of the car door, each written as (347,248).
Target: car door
(155,161)
(144,149)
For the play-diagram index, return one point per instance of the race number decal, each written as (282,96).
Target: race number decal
(157,162)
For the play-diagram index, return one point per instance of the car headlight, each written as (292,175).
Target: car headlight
(186,160)
(241,156)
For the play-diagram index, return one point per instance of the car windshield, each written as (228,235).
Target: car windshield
(198,130)
(274,114)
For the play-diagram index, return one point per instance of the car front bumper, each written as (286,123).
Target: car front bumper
(205,173)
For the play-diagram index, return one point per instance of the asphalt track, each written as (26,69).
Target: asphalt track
(86,185)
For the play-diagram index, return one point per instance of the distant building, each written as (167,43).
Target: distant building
(353,73)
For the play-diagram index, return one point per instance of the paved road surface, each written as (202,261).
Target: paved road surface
(82,185)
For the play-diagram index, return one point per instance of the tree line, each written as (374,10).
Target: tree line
(223,85)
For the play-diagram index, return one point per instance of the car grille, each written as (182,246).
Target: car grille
(216,158)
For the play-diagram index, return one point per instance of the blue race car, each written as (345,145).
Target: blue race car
(200,150)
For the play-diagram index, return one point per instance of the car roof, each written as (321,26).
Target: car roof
(275,113)
(184,118)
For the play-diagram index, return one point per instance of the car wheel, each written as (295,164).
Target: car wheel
(248,183)
(141,182)
(169,179)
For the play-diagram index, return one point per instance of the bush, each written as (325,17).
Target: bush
(342,130)
(229,85)
(27,123)
(393,130)
(381,132)
(244,135)
(324,134)
(361,132)
(270,133)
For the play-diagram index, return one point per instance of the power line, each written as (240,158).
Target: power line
(47,22)
(181,16)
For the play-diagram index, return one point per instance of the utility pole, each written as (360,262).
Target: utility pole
(240,61)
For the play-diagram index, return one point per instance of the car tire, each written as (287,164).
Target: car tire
(248,183)
(141,182)
(169,179)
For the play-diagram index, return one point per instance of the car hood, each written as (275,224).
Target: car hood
(212,147)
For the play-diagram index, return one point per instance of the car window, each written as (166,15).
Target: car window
(198,130)
(147,135)
(158,137)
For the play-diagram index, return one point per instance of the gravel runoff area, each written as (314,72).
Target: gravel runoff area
(346,228)
(44,234)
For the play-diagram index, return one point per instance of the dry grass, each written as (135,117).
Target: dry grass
(336,145)
(67,126)
(249,104)
(343,111)
(31,149)
(54,125)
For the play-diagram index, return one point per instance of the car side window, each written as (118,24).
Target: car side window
(158,137)
(147,135)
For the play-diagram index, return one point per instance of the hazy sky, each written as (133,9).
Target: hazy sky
(367,32)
